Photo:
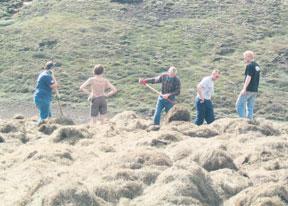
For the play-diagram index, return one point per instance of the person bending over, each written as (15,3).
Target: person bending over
(171,86)
(203,103)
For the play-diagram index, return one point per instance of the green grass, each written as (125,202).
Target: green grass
(141,40)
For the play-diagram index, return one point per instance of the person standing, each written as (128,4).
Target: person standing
(170,88)
(203,103)
(46,82)
(248,94)
(97,93)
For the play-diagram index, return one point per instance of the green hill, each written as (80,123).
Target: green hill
(142,38)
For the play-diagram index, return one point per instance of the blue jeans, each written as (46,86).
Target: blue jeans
(43,107)
(246,103)
(204,111)
(161,104)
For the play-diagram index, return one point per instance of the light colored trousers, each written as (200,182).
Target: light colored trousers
(245,105)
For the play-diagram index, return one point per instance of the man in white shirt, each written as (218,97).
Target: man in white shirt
(203,103)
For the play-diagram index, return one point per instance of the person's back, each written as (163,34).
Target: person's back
(43,89)
(98,86)
(97,93)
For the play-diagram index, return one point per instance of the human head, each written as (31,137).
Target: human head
(172,71)
(49,65)
(215,74)
(248,56)
(98,69)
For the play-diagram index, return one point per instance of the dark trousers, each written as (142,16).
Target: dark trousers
(204,111)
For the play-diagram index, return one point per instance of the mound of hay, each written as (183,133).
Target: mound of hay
(76,195)
(124,116)
(129,121)
(203,131)
(47,129)
(7,128)
(113,191)
(142,158)
(272,194)
(214,159)
(16,138)
(244,126)
(70,134)
(178,113)
(18,116)
(163,138)
(147,176)
(227,182)
(62,121)
(182,184)
(2,140)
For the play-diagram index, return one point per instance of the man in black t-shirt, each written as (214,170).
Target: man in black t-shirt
(247,97)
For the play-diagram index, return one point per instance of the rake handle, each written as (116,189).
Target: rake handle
(157,92)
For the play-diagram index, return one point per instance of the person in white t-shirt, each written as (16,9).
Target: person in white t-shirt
(203,103)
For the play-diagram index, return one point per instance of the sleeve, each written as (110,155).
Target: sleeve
(203,82)
(155,80)
(48,80)
(250,70)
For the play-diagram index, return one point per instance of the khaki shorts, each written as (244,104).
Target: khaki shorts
(98,105)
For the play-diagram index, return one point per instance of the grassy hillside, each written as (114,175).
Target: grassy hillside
(140,39)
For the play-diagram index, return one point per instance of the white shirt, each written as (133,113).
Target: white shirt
(207,85)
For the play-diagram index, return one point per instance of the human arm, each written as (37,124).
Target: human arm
(54,83)
(113,89)
(153,80)
(83,87)
(200,92)
(246,83)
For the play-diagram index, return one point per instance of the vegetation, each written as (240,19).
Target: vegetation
(141,39)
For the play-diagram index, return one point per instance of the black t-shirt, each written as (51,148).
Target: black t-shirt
(253,70)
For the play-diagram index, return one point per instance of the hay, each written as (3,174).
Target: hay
(47,129)
(18,116)
(2,140)
(181,184)
(274,194)
(129,121)
(204,132)
(62,121)
(76,195)
(114,191)
(228,183)
(8,128)
(214,159)
(178,113)
(135,167)
(70,134)
(140,159)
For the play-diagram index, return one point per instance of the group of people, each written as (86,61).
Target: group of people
(97,86)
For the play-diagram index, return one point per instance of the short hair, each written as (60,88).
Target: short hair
(216,71)
(98,69)
(49,65)
(249,54)
(173,70)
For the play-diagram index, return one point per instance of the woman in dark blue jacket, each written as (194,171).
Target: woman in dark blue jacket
(46,82)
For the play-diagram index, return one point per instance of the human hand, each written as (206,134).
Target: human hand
(165,96)
(142,81)
(202,100)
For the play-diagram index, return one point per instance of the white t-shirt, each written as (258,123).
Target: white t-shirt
(207,85)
